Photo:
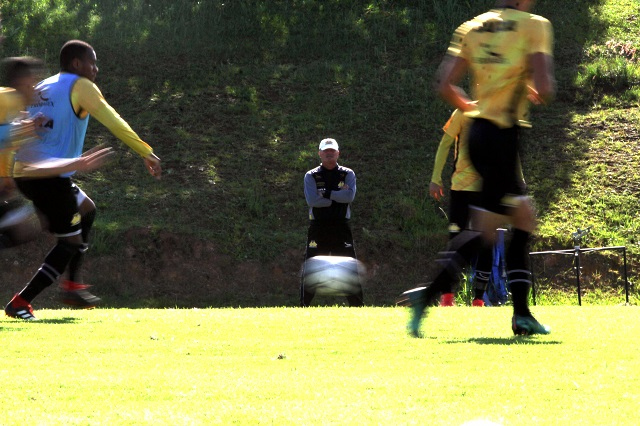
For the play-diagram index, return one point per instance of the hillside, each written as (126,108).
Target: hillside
(234,98)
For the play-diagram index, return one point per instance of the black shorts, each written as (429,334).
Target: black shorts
(494,154)
(329,239)
(459,209)
(57,199)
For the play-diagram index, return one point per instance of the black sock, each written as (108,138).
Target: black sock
(76,260)
(459,252)
(518,273)
(480,281)
(54,265)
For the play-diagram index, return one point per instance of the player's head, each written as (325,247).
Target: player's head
(329,153)
(78,57)
(21,73)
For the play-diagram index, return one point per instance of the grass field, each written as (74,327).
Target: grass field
(319,366)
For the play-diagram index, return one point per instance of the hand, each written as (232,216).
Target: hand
(152,162)
(534,97)
(436,191)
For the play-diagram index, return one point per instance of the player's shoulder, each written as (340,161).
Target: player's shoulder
(345,169)
(313,171)
(537,18)
(84,82)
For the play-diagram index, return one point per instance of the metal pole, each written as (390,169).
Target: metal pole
(577,263)
(626,281)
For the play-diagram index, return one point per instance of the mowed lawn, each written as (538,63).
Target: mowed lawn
(331,365)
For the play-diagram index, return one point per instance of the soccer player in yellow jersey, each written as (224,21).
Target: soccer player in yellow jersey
(508,54)
(465,190)
(67,99)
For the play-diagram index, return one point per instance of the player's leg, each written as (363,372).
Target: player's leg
(87,209)
(458,221)
(18,220)
(483,260)
(451,262)
(54,199)
(495,156)
(518,270)
(73,291)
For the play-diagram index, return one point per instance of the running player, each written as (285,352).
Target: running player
(504,50)
(67,99)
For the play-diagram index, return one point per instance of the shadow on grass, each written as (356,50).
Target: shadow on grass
(520,340)
(65,320)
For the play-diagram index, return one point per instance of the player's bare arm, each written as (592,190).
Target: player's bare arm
(451,71)
(89,161)
(544,84)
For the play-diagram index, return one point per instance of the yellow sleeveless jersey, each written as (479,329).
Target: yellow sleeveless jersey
(496,46)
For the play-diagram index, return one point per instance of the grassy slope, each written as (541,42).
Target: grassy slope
(235,98)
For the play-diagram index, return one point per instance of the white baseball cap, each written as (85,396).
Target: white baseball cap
(328,144)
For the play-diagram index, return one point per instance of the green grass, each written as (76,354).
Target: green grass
(319,366)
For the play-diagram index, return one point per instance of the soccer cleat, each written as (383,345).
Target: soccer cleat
(77,295)
(448,299)
(477,302)
(527,326)
(415,300)
(19,308)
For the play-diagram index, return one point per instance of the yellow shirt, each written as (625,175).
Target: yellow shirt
(496,46)
(11,104)
(465,177)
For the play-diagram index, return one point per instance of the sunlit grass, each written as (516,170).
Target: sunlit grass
(319,366)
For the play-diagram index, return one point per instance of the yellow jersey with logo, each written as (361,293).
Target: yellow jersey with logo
(496,46)
(465,177)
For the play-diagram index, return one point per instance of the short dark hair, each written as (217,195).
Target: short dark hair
(73,49)
(17,67)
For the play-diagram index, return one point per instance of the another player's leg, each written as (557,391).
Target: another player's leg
(458,221)
(482,275)
(451,262)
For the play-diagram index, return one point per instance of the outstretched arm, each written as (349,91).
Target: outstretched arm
(86,97)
